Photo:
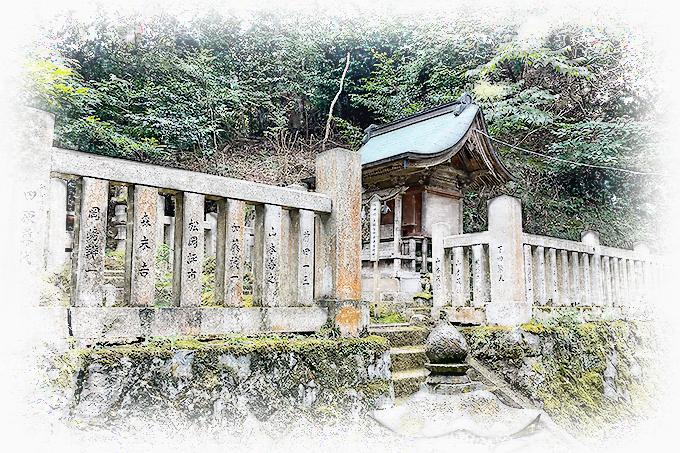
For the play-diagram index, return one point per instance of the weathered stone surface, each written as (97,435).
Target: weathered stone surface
(88,164)
(89,267)
(441,277)
(189,250)
(447,369)
(229,261)
(130,322)
(338,242)
(348,320)
(446,344)
(142,208)
(207,384)
(508,304)
(26,147)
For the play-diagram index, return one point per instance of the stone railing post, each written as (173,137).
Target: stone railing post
(441,269)
(508,305)
(26,159)
(597,295)
(338,242)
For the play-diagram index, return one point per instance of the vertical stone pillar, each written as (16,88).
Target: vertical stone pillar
(539,276)
(553,290)
(529,274)
(565,293)
(289,246)
(632,285)
(374,244)
(480,287)
(440,269)
(89,282)
(160,219)
(338,174)
(230,249)
(305,258)
(508,304)
(616,285)
(397,235)
(607,281)
(412,253)
(57,256)
(267,259)
(587,287)
(211,235)
(26,147)
(424,268)
(593,238)
(189,237)
(461,280)
(170,232)
(576,280)
(644,271)
(140,263)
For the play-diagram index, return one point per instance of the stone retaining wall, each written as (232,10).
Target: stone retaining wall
(221,381)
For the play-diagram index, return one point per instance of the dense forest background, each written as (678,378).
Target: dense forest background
(246,94)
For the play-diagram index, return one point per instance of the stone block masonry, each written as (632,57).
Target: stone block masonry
(225,380)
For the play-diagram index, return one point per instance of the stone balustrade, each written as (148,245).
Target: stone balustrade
(305,254)
(504,276)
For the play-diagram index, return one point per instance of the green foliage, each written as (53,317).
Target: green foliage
(205,88)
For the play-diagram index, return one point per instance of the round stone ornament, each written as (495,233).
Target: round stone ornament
(446,344)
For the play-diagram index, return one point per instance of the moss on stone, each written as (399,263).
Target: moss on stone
(564,370)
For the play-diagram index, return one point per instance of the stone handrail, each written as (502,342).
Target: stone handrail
(509,274)
(69,162)
(305,258)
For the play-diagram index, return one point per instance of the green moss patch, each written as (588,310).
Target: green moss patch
(585,375)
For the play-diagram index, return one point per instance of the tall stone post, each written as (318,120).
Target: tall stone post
(508,304)
(397,235)
(338,242)
(441,269)
(91,244)
(644,272)
(26,148)
(140,256)
(187,270)
(597,294)
(26,145)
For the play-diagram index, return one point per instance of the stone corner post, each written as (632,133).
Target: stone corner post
(338,242)
(508,306)
(26,146)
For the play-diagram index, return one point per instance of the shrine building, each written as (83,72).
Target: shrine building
(415,172)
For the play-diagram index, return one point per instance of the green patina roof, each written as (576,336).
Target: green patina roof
(430,136)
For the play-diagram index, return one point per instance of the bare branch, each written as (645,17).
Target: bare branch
(335,99)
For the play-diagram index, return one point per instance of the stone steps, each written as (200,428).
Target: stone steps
(402,335)
(408,358)
(408,382)
(407,354)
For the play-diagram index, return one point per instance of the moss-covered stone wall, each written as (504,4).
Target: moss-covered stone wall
(223,380)
(584,375)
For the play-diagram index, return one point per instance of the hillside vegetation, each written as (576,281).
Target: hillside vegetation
(248,96)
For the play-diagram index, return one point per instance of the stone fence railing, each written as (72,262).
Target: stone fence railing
(504,276)
(306,251)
